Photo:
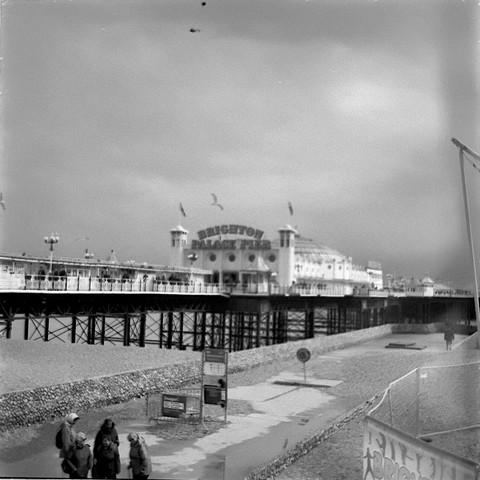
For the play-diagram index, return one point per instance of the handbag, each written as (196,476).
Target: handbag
(66,467)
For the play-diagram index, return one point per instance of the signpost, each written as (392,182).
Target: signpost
(214,378)
(303,354)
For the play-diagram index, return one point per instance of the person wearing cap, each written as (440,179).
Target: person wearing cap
(80,457)
(139,459)
(68,434)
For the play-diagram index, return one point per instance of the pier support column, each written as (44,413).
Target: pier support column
(143,323)
(91,330)
(73,330)
(126,330)
(26,326)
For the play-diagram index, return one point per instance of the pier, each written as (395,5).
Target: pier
(220,319)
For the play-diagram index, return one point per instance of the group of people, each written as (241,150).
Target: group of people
(104,462)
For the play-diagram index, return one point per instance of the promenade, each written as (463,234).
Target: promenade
(272,409)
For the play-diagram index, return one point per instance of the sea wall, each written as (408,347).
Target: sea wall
(27,407)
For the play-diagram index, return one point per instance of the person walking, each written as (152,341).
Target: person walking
(139,458)
(448,336)
(80,458)
(107,460)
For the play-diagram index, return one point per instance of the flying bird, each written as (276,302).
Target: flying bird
(182,210)
(290,208)
(194,30)
(203,4)
(215,202)
(2,202)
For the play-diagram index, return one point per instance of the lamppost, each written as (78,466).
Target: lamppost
(52,240)
(192,257)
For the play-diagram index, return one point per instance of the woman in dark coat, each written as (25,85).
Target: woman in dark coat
(107,460)
(108,430)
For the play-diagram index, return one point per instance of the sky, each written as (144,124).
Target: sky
(113,113)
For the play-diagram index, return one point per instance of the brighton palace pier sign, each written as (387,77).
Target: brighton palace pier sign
(250,238)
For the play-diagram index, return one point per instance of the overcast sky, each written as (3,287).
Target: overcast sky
(113,113)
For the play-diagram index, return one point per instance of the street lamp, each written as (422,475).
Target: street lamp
(52,240)
(192,257)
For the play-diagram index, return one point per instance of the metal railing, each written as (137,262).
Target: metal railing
(20,281)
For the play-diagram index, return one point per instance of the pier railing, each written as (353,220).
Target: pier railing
(17,281)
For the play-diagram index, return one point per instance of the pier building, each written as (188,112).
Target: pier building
(242,258)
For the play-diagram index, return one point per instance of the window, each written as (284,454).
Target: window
(232,257)
(272,258)
(212,257)
(251,258)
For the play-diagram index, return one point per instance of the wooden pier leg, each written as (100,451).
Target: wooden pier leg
(143,323)
(258,333)
(170,330)
(180,338)
(161,330)
(46,329)
(91,330)
(102,335)
(204,330)
(126,330)
(309,323)
(195,325)
(73,330)
(26,325)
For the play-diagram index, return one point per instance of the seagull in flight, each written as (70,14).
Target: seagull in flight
(2,202)
(215,202)
(194,30)
(290,208)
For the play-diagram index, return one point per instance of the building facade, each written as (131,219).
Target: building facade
(241,256)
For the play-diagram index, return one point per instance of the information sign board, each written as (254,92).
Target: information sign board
(173,405)
(212,395)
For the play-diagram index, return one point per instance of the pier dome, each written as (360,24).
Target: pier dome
(307,250)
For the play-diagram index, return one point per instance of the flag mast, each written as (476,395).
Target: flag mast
(463,148)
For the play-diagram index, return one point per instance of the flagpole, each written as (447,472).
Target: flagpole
(463,148)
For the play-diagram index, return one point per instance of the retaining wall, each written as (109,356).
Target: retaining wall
(43,404)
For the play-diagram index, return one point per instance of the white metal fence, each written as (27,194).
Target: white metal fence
(433,400)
